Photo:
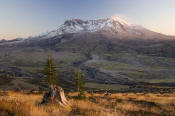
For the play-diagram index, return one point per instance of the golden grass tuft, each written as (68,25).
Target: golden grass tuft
(119,104)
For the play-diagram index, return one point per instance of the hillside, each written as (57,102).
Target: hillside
(110,51)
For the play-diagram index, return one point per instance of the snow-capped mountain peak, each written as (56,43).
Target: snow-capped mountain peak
(77,25)
(113,26)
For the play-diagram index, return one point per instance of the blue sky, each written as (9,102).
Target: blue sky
(23,18)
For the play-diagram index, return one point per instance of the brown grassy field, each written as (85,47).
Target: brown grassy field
(119,104)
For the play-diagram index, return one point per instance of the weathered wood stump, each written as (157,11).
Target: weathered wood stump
(55,95)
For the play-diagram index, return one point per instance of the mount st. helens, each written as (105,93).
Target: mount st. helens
(108,50)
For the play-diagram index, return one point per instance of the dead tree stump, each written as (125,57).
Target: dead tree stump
(55,95)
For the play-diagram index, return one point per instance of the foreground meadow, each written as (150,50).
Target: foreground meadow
(96,104)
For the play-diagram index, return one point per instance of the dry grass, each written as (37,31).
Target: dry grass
(120,104)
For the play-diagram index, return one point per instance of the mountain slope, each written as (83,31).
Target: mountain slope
(108,50)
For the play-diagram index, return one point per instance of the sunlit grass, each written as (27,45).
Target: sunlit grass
(95,104)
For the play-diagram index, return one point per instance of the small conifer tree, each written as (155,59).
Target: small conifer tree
(79,83)
(50,72)
(55,93)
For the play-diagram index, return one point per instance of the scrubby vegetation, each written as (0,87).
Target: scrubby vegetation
(96,104)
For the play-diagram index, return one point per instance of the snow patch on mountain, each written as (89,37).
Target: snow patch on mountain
(78,26)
